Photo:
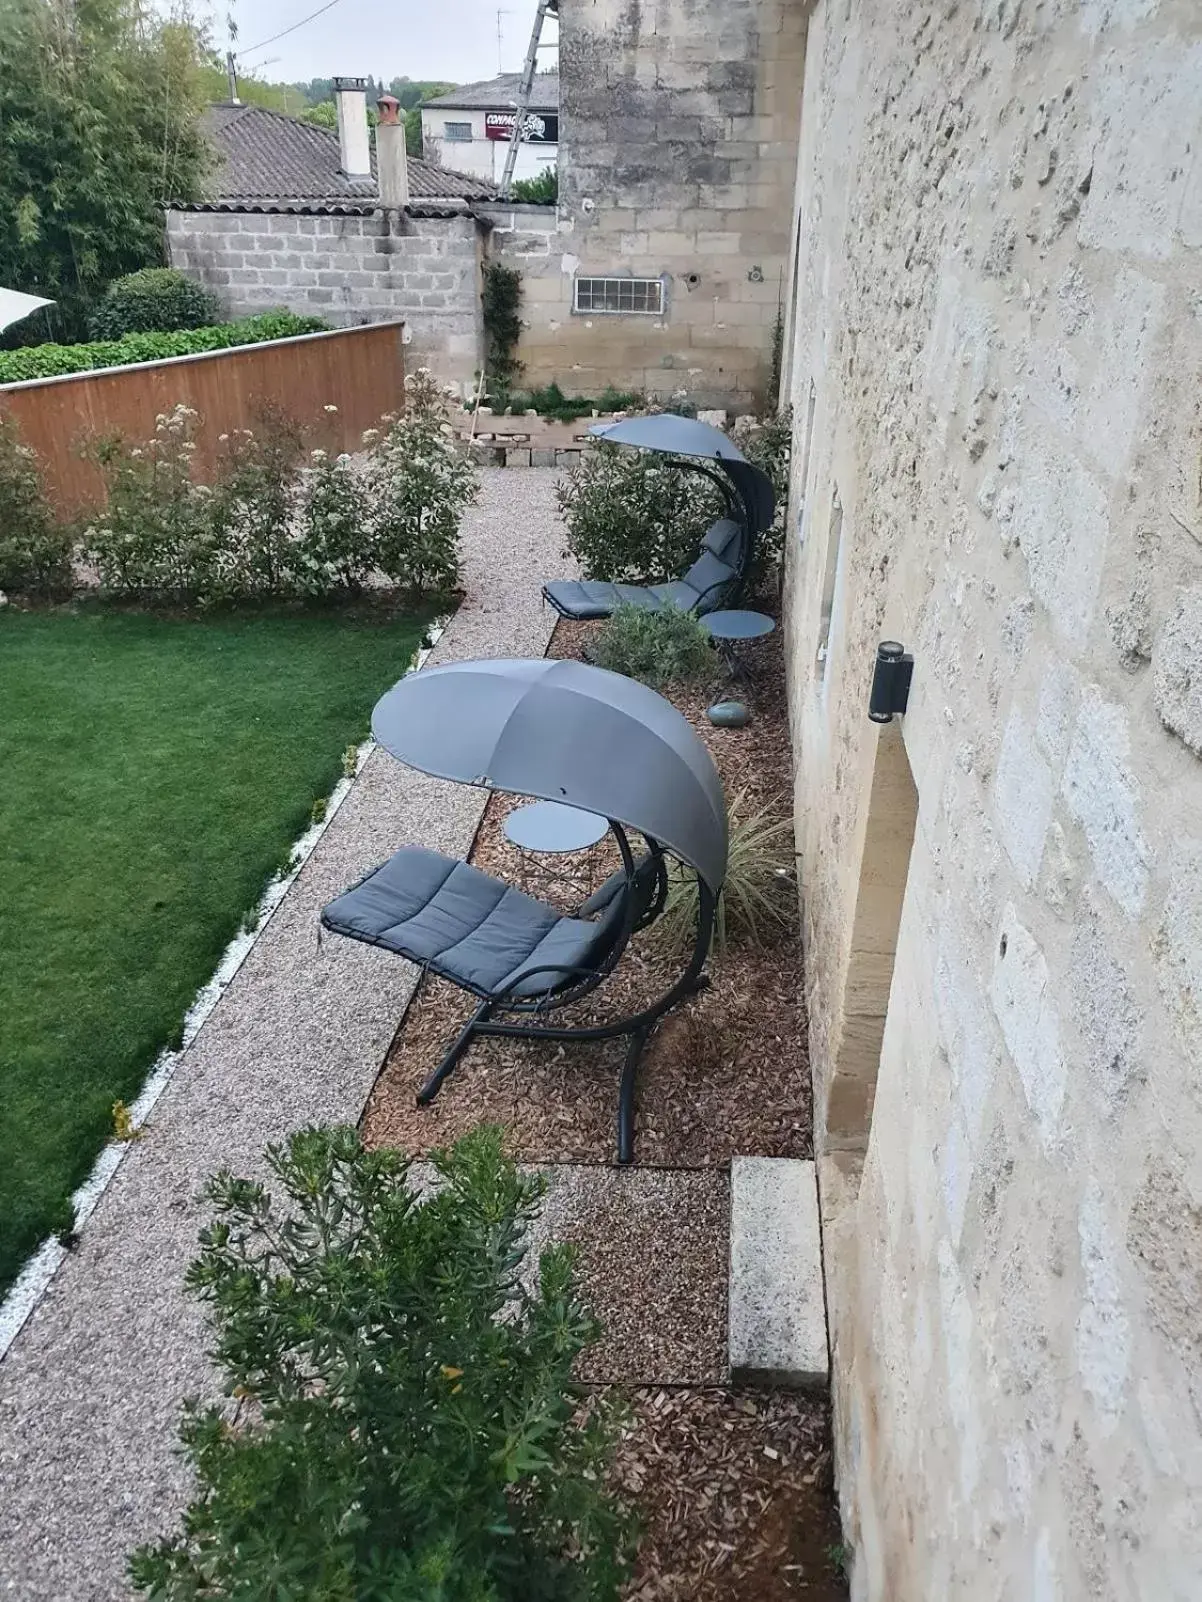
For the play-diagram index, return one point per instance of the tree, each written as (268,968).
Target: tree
(100,103)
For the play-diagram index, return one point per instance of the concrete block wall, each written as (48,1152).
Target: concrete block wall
(679,131)
(995,365)
(348,270)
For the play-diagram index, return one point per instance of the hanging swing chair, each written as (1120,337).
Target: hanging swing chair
(556,731)
(724,563)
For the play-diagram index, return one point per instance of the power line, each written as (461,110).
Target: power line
(285,31)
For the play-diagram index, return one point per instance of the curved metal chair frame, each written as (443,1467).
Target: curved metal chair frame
(565,992)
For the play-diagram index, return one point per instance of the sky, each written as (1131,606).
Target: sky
(454,40)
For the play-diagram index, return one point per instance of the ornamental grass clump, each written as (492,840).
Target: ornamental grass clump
(635,517)
(758,896)
(668,646)
(404,1424)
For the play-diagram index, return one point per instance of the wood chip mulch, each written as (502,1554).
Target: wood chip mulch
(735,1492)
(726,1073)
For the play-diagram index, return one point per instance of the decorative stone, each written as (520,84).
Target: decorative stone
(729,715)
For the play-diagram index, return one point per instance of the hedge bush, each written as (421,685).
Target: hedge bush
(274,523)
(635,517)
(157,299)
(407,1427)
(50,361)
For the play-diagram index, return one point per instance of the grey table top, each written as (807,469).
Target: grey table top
(550,826)
(737,625)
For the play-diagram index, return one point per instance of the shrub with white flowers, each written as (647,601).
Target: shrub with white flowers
(420,486)
(35,549)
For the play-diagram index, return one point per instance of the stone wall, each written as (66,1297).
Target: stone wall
(995,365)
(349,270)
(679,131)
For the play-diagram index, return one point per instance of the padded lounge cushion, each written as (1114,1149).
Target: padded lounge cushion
(585,598)
(469,928)
(703,588)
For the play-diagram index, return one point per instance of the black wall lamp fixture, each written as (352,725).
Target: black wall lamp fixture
(890,681)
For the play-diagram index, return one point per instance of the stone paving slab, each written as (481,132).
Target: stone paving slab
(90,1390)
(777,1303)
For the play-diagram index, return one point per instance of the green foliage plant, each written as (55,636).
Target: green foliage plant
(552,402)
(768,443)
(253,509)
(152,536)
(336,518)
(635,517)
(419,486)
(35,549)
(542,190)
(101,107)
(154,300)
(668,646)
(757,899)
(406,1427)
(501,301)
(52,361)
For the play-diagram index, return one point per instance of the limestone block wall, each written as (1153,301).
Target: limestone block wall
(995,364)
(678,147)
(349,270)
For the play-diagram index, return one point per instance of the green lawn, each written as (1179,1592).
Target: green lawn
(153,774)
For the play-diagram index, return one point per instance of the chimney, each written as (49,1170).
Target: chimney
(350,96)
(392,162)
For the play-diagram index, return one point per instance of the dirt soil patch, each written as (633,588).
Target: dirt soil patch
(735,1489)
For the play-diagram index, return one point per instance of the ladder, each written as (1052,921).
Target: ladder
(525,88)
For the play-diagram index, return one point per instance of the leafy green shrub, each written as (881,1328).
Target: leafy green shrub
(157,299)
(35,550)
(758,895)
(635,517)
(552,402)
(51,361)
(407,1426)
(153,536)
(665,647)
(253,507)
(336,518)
(419,486)
(540,191)
(769,443)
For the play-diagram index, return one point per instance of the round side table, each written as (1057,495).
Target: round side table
(731,629)
(549,828)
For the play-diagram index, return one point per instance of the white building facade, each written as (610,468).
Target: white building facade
(469,129)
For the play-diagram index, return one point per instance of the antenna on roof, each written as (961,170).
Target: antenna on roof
(545,8)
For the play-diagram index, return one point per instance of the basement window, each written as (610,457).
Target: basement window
(640,297)
(834,545)
(457,132)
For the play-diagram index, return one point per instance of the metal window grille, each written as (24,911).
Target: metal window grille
(642,297)
(461,131)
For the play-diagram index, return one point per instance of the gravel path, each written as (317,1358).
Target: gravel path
(90,1390)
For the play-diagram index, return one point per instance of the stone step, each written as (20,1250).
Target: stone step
(777,1309)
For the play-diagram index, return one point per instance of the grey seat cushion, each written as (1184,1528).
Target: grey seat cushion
(472,929)
(704,587)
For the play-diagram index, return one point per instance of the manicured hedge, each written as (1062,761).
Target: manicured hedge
(49,361)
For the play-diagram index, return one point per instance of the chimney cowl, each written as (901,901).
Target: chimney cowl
(388,106)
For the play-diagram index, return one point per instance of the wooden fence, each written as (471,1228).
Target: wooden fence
(361,371)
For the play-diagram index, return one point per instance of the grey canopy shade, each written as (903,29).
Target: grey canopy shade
(686,436)
(564,731)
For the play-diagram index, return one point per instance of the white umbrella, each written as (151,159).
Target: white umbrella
(14,306)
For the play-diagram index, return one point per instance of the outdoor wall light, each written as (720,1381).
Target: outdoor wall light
(890,681)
